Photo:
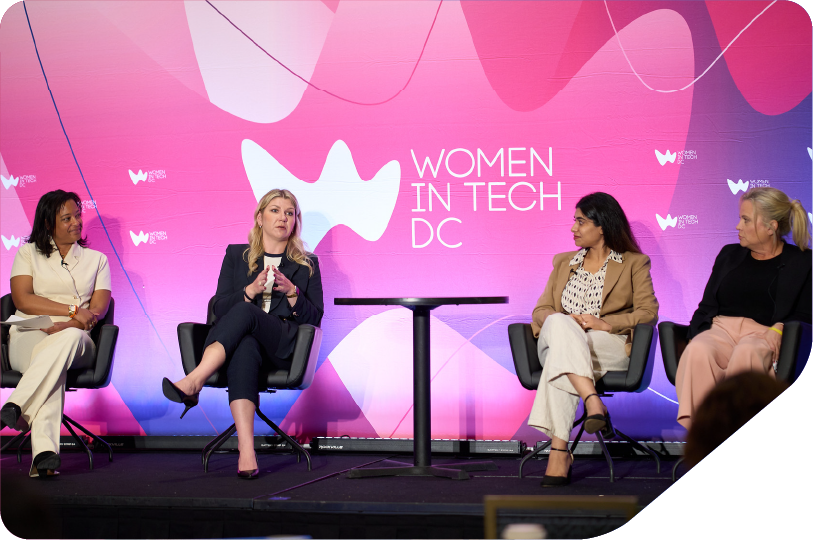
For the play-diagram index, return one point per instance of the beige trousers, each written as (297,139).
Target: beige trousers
(564,348)
(44,361)
(732,345)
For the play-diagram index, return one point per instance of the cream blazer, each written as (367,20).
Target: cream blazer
(87,270)
(627,299)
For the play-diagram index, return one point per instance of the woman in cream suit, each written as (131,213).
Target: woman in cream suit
(584,321)
(53,274)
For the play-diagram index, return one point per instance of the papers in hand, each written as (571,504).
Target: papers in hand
(43,321)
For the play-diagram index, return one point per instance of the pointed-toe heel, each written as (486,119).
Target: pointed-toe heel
(176,395)
(598,422)
(558,481)
(251,474)
(10,415)
(248,475)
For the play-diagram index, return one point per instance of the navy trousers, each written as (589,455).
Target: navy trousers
(250,337)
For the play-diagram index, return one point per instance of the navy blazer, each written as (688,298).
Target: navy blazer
(309,306)
(793,287)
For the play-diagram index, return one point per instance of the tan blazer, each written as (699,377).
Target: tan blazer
(627,300)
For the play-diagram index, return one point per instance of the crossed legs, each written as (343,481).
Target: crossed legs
(573,359)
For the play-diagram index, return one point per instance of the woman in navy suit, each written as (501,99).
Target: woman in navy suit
(266,289)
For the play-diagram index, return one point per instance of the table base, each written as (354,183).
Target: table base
(455,471)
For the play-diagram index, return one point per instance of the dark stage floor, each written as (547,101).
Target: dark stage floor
(167,495)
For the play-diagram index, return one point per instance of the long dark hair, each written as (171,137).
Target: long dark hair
(603,210)
(45,219)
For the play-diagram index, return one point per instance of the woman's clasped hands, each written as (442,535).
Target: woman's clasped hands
(591,322)
(84,320)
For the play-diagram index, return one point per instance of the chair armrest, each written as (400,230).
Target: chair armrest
(794,350)
(304,357)
(523,349)
(673,342)
(642,358)
(191,339)
(105,349)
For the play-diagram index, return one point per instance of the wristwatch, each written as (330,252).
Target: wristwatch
(293,294)
(72,310)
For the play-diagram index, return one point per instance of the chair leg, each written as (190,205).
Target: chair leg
(216,443)
(13,440)
(532,454)
(223,435)
(79,440)
(579,434)
(295,445)
(606,455)
(93,436)
(674,470)
(26,439)
(641,447)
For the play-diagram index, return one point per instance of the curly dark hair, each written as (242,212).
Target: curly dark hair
(603,210)
(45,219)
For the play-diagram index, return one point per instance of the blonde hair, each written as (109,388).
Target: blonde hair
(790,216)
(296,247)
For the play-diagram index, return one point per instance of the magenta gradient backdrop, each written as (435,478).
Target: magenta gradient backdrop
(179,122)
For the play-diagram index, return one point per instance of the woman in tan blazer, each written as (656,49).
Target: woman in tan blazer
(53,274)
(584,321)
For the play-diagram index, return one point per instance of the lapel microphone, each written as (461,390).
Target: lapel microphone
(64,264)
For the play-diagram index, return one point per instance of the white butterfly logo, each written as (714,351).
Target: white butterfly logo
(136,178)
(663,158)
(339,197)
(8,242)
(140,237)
(10,181)
(741,185)
(668,221)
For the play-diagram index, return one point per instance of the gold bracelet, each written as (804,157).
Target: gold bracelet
(777,330)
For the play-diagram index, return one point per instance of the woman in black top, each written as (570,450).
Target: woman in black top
(266,289)
(755,287)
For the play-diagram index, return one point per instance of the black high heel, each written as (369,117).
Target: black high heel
(46,463)
(557,481)
(599,422)
(9,415)
(173,393)
(250,474)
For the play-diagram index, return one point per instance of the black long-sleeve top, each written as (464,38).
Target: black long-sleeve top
(791,300)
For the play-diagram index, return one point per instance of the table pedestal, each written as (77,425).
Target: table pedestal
(422,416)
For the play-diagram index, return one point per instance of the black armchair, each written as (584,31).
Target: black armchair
(635,379)
(793,353)
(98,375)
(192,337)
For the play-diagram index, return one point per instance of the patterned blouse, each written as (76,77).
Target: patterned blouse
(583,292)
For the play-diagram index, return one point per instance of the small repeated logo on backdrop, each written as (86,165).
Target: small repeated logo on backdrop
(88,205)
(740,185)
(667,157)
(745,185)
(9,242)
(147,176)
(147,238)
(668,221)
(678,221)
(675,157)
(19,182)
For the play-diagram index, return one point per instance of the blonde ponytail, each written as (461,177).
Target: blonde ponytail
(799,225)
(772,204)
(296,247)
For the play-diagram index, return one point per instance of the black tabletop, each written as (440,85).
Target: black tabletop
(420,301)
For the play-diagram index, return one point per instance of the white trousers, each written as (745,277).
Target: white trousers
(44,361)
(563,348)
